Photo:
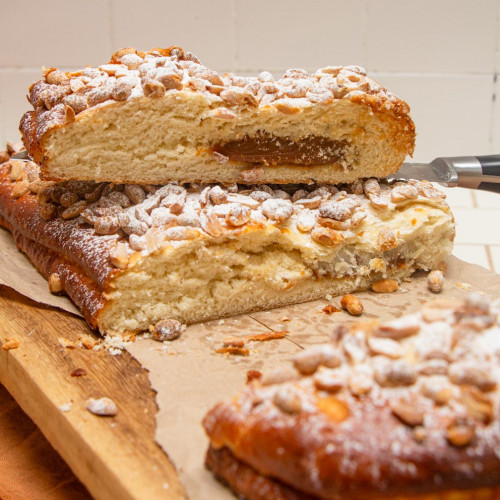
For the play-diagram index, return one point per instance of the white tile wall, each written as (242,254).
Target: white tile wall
(205,28)
(54,33)
(431,35)
(439,55)
(476,226)
(14,86)
(495,256)
(472,253)
(280,34)
(452,113)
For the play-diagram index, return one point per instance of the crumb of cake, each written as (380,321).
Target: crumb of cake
(238,351)
(10,344)
(233,342)
(330,309)
(103,407)
(263,337)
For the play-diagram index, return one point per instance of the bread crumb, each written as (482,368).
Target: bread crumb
(253,375)
(86,341)
(328,297)
(103,407)
(465,286)
(10,344)
(238,351)
(233,342)
(262,337)
(66,343)
(79,372)
(65,407)
(330,309)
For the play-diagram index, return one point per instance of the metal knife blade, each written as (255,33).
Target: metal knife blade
(23,155)
(437,170)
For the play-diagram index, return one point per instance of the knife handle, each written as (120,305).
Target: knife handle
(490,166)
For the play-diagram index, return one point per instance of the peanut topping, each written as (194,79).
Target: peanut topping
(167,329)
(352,304)
(408,411)
(460,434)
(385,286)
(435,281)
(288,399)
(309,360)
(150,218)
(103,407)
(326,236)
(55,285)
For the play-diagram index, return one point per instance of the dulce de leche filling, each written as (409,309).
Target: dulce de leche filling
(272,150)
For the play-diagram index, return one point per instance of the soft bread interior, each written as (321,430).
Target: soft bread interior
(170,138)
(266,268)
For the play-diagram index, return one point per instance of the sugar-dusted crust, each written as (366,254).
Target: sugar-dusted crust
(162,116)
(248,484)
(409,407)
(195,253)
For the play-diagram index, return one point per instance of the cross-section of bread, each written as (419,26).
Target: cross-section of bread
(161,116)
(407,409)
(130,256)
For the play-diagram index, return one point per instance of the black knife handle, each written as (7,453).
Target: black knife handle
(490,165)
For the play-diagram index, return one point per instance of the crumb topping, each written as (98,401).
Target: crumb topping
(149,218)
(131,74)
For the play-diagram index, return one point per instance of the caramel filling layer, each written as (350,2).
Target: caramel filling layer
(271,150)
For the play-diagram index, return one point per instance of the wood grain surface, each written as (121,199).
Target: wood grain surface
(115,457)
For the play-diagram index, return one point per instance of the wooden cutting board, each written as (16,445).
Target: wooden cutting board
(115,457)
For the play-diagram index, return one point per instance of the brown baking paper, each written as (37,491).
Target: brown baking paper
(17,272)
(190,376)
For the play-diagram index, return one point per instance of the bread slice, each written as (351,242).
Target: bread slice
(161,116)
(407,409)
(130,256)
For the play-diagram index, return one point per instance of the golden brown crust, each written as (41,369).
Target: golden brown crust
(406,408)
(61,98)
(245,481)
(27,128)
(67,248)
(248,484)
(114,234)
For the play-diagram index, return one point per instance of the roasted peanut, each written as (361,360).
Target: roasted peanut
(352,304)
(385,286)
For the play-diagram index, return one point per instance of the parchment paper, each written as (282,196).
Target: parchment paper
(17,272)
(190,377)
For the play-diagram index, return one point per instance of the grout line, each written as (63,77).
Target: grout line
(235,37)
(473,244)
(492,109)
(490,257)
(474,199)
(364,40)
(111,30)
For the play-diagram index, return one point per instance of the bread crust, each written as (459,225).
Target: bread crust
(114,239)
(248,484)
(338,103)
(66,248)
(400,435)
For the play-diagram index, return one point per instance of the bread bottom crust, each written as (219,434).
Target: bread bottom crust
(248,484)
